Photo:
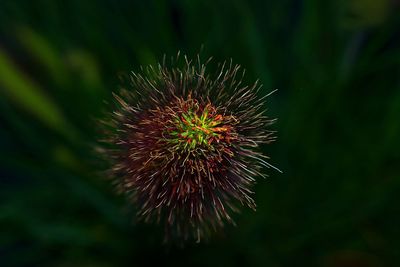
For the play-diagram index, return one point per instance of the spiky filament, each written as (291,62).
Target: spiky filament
(185,145)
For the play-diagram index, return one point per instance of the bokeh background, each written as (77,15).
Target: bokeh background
(336,64)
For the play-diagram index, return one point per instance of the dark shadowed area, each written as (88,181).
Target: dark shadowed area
(336,64)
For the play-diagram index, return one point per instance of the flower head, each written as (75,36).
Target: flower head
(184,144)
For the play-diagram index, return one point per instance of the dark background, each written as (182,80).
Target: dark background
(336,65)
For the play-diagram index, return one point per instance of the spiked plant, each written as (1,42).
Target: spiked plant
(184,144)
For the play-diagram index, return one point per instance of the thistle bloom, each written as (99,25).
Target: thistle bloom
(184,144)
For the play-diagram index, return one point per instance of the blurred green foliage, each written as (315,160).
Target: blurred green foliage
(336,65)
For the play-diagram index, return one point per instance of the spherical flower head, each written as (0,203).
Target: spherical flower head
(184,145)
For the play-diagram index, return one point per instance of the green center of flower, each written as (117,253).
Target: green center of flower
(193,127)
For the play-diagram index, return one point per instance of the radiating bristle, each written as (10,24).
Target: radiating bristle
(184,144)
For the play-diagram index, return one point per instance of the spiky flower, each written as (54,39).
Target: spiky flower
(185,144)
